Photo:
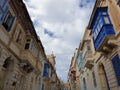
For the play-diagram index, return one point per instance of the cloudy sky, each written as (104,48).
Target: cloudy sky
(60,25)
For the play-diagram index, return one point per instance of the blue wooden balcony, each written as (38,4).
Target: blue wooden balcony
(106,31)
(102,28)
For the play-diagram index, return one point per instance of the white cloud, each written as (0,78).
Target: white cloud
(67,21)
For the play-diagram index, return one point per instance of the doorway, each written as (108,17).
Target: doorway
(103,78)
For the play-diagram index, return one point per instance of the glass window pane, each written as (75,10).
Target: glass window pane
(28,40)
(27,45)
(106,20)
(104,13)
(8,21)
(94,36)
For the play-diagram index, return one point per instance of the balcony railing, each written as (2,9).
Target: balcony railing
(29,56)
(26,66)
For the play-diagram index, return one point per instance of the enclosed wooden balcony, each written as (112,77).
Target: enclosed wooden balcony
(88,60)
(106,33)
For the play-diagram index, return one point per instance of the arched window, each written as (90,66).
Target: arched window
(6,63)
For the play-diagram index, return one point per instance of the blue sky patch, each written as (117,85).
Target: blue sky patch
(49,33)
(85,3)
(70,17)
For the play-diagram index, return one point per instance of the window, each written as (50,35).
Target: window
(96,31)
(116,66)
(46,70)
(34,48)
(94,79)
(98,26)
(100,23)
(3,9)
(8,21)
(104,13)
(80,61)
(84,84)
(27,45)
(106,20)
(94,36)
(118,2)
(42,86)
(18,40)
(6,64)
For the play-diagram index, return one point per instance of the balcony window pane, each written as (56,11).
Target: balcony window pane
(104,13)
(100,23)
(106,20)
(94,36)
(98,26)
(96,31)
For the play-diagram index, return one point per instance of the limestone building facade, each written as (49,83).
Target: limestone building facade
(99,50)
(23,62)
(73,74)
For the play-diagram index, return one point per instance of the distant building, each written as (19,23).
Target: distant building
(73,74)
(51,59)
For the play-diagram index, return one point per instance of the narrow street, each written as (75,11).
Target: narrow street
(59,44)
